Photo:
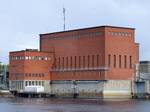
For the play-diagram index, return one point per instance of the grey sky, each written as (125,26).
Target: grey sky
(21,21)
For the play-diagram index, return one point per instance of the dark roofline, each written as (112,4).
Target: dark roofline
(29,51)
(87,29)
(26,50)
(144,62)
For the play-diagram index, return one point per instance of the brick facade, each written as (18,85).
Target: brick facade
(98,53)
(30,65)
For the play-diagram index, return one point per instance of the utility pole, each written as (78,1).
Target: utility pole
(64,17)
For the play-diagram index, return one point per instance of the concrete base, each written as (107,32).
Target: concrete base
(89,89)
(117,89)
(116,94)
(92,89)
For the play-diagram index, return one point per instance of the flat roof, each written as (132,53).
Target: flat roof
(144,62)
(35,51)
(88,28)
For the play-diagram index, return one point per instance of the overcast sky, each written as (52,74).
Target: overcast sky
(21,21)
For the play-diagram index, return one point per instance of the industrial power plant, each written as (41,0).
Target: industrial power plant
(96,62)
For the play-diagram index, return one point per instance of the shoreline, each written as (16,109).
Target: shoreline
(6,94)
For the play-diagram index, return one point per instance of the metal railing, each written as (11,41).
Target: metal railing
(80,69)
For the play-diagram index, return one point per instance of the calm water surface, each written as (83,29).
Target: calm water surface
(72,105)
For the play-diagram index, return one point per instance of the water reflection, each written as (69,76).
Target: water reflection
(72,105)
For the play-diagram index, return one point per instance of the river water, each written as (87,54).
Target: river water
(72,105)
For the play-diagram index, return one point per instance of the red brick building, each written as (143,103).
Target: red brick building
(90,54)
(98,53)
(29,67)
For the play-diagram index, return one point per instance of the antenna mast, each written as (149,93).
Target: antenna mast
(64,17)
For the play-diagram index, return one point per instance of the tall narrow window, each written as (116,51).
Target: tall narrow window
(79,61)
(119,61)
(66,62)
(125,61)
(71,62)
(109,60)
(29,83)
(130,61)
(26,83)
(97,60)
(59,62)
(93,61)
(114,61)
(83,61)
(75,61)
(88,61)
(55,63)
(63,62)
